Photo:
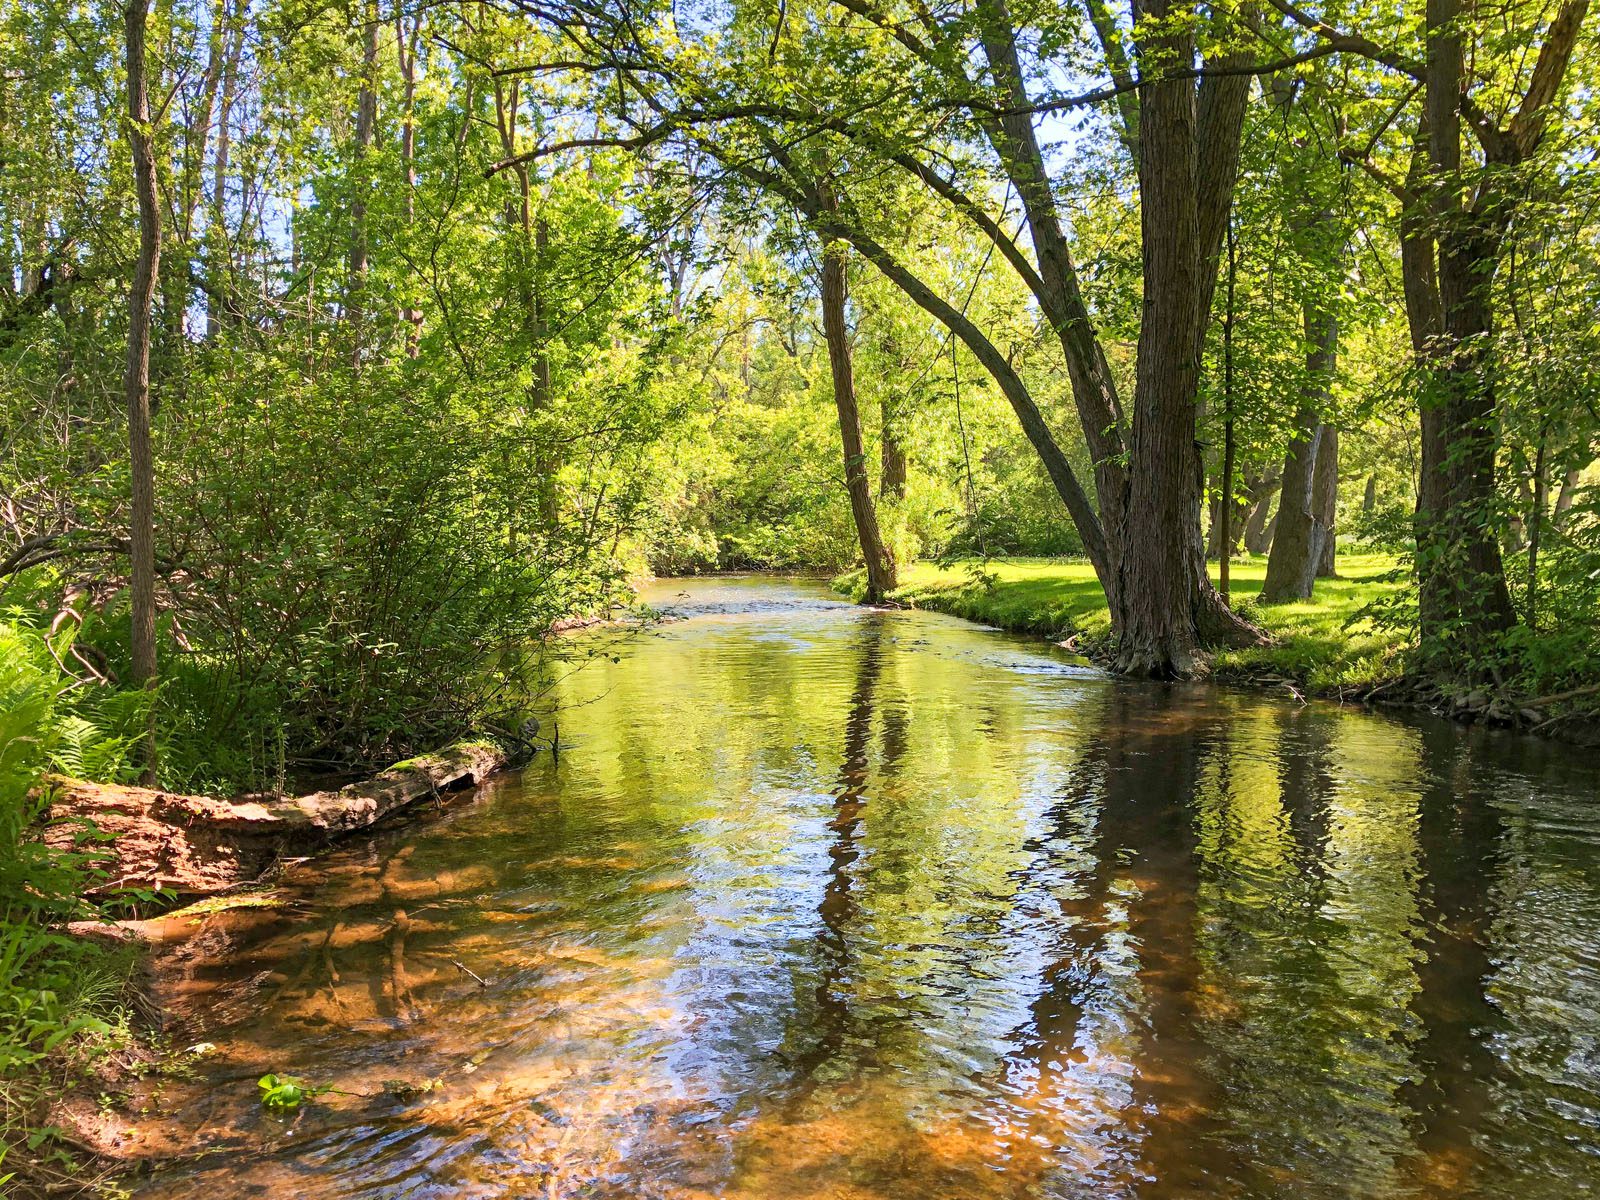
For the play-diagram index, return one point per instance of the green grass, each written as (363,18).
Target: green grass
(1319,643)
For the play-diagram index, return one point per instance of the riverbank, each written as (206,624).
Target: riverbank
(1322,645)
(71,1106)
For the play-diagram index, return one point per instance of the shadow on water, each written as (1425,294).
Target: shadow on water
(827,902)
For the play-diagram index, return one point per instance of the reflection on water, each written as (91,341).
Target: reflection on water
(824,902)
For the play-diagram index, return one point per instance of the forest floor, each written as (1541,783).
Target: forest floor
(1323,644)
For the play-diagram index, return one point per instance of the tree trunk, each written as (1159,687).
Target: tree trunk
(1369,499)
(1565,498)
(1057,289)
(219,260)
(893,467)
(1160,544)
(1298,540)
(406,49)
(1225,499)
(1325,501)
(1297,536)
(1420,284)
(542,396)
(879,561)
(1464,586)
(1258,530)
(1541,497)
(136,376)
(366,120)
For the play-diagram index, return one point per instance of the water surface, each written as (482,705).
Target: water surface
(825,902)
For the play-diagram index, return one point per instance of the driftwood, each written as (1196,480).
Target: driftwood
(199,845)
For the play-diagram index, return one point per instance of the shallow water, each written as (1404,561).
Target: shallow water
(825,902)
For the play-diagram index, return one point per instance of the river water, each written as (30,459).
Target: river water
(825,902)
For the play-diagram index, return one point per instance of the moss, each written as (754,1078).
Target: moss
(1321,642)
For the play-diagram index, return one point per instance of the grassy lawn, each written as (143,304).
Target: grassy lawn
(1314,641)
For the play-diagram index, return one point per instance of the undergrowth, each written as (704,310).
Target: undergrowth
(64,1000)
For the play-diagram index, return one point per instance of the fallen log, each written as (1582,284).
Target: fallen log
(200,845)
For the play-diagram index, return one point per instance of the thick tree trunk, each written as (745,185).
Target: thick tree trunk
(1420,283)
(879,561)
(1164,608)
(136,375)
(1464,587)
(1297,536)
(1152,606)
(1474,572)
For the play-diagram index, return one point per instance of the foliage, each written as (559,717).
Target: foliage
(61,997)
(285,1092)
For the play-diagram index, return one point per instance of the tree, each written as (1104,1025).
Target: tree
(136,375)
(877,556)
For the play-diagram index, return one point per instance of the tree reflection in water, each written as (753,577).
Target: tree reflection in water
(824,902)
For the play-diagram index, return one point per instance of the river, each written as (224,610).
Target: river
(826,902)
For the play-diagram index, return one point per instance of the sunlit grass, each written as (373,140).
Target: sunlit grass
(1321,642)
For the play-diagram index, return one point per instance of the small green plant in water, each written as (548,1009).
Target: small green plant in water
(284,1093)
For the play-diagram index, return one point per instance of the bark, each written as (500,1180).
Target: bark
(1465,600)
(1298,540)
(1369,498)
(1225,501)
(1420,283)
(877,556)
(136,376)
(203,844)
(1164,608)
(1157,632)
(1259,530)
(1325,501)
(893,467)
